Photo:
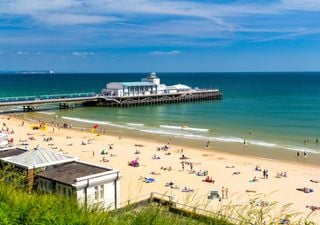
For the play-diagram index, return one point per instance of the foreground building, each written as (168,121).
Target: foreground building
(3,140)
(51,172)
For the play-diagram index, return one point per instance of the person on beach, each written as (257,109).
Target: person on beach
(305,154)
(191,166)
(222,193)
(227,190)
(208,144)
(182,165)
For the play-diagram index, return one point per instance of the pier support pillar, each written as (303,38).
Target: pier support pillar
(63,105)
(28,108)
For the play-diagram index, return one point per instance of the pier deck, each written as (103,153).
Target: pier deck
(128,101)
(92,99)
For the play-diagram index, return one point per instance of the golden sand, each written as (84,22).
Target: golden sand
(233,172)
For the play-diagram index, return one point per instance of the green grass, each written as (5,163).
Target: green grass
(20,207)
(17,206)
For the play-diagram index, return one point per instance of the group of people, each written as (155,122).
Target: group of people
(304,154)
(202,173)
(155,157)
(307,140)
(47,139)
(224,193)
(282,174)
(265,174)
(183,163)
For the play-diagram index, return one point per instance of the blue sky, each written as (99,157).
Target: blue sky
(160,35)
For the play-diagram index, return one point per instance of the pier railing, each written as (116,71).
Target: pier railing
(45,97)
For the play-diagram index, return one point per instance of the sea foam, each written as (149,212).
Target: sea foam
(47,113)
(81,120)
(184,128)
(135,124)
(189,132)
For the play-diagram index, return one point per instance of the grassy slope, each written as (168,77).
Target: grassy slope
(20,207)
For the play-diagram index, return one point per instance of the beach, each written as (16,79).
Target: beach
(231,172)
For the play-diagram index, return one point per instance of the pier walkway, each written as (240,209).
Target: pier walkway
(32,103)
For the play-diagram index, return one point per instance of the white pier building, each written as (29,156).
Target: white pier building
(147,86)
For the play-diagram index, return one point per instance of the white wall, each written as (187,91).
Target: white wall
(111,193)
(3,140)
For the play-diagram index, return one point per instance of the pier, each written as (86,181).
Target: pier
(129,101)
(33,103)
(148,91)
(29,104)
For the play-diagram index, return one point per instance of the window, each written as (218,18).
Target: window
(101,192)
(96,193)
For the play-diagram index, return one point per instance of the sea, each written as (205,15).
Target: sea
(274,109)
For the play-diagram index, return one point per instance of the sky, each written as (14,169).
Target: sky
(160,35)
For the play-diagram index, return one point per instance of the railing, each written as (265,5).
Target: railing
(174,207)
(45,97)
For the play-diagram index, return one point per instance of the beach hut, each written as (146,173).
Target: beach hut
(92,185)
(52,172)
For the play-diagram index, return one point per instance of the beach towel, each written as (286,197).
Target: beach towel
(149,180)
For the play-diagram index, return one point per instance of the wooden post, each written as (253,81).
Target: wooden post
(30,177)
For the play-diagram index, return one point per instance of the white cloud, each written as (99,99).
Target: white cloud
(73,19)
(136,20)
(173,52)
(301,5)
(22,53)
(82,54)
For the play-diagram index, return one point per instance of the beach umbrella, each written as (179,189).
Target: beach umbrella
(94,127)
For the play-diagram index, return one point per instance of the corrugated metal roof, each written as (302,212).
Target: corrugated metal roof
(140,83)
(39,158)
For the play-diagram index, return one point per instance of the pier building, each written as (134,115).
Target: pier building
(147,86)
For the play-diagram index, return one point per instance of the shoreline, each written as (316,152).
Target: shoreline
(257,151)
(220,165)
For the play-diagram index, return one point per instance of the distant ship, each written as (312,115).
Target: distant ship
(36,72)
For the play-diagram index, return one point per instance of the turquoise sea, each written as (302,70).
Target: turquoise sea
(267,109)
